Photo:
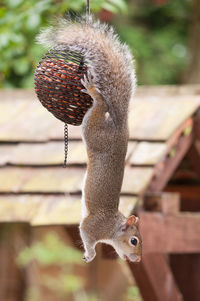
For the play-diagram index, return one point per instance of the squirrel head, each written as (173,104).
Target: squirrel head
(128,242)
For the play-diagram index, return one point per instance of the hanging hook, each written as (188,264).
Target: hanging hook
(87,11)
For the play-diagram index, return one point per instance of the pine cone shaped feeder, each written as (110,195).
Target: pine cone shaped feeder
(58,85)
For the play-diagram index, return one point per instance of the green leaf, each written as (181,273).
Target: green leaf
(14,3)
(187,131)
(33,21)
(21,65)
(133,293)
(120,4)
(77,5)
(51,251)
(172,152)
(110,7)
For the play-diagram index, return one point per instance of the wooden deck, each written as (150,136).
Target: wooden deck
(32,152)
(35,189)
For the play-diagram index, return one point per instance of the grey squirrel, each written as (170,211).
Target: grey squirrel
(110,81)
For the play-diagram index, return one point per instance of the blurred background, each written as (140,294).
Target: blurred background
(163,35)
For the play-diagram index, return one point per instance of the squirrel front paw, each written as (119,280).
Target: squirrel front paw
(89,85)
(87,82)
(89,257)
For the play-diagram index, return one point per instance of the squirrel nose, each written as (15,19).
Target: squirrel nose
(135,258)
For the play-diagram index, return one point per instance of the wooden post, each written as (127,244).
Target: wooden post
(155,279)
(186,269)
(170,233)
(190,196)
(166,168)
(13,238)
(167,203)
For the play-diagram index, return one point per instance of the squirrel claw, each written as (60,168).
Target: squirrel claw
(87,259)
(87,81)
(90,77)
(84,91)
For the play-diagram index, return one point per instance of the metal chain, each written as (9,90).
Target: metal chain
(65,144)
(66,125)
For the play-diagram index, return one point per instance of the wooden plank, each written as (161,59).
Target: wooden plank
(40,210)
(160,116)
(21,208)
(167,90)
(165,202)
(32,121)
(155,279)
(141,91)
(127,205)
(48,180)
(49,210)
(165,169)
(31,124)
(136,179)
(131,147)
(65,211)
(151,153)
(170,233)
(147,153)
(63,180)
(51,153)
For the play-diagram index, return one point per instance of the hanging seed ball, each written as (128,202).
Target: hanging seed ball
(58,86)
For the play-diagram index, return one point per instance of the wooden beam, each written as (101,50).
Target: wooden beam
(194,157)
(171,233)
(186,269)
(165,202)
(165,169)
(190,196)
(155,279)
(197,126)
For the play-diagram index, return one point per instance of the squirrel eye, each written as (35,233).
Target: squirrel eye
(134,241)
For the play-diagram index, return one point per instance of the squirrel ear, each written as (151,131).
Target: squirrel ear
(132,220)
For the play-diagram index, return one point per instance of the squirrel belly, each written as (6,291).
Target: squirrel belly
(110,81)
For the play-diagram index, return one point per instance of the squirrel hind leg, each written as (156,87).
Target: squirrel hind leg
(88,242)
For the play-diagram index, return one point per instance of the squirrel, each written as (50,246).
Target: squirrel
(110,82)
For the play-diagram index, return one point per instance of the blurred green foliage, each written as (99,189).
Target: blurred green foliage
(156,34)
(133,294)
(21,21)
(158,38)
(49,252)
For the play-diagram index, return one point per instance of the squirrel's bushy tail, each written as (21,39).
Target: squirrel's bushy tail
(109,60)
